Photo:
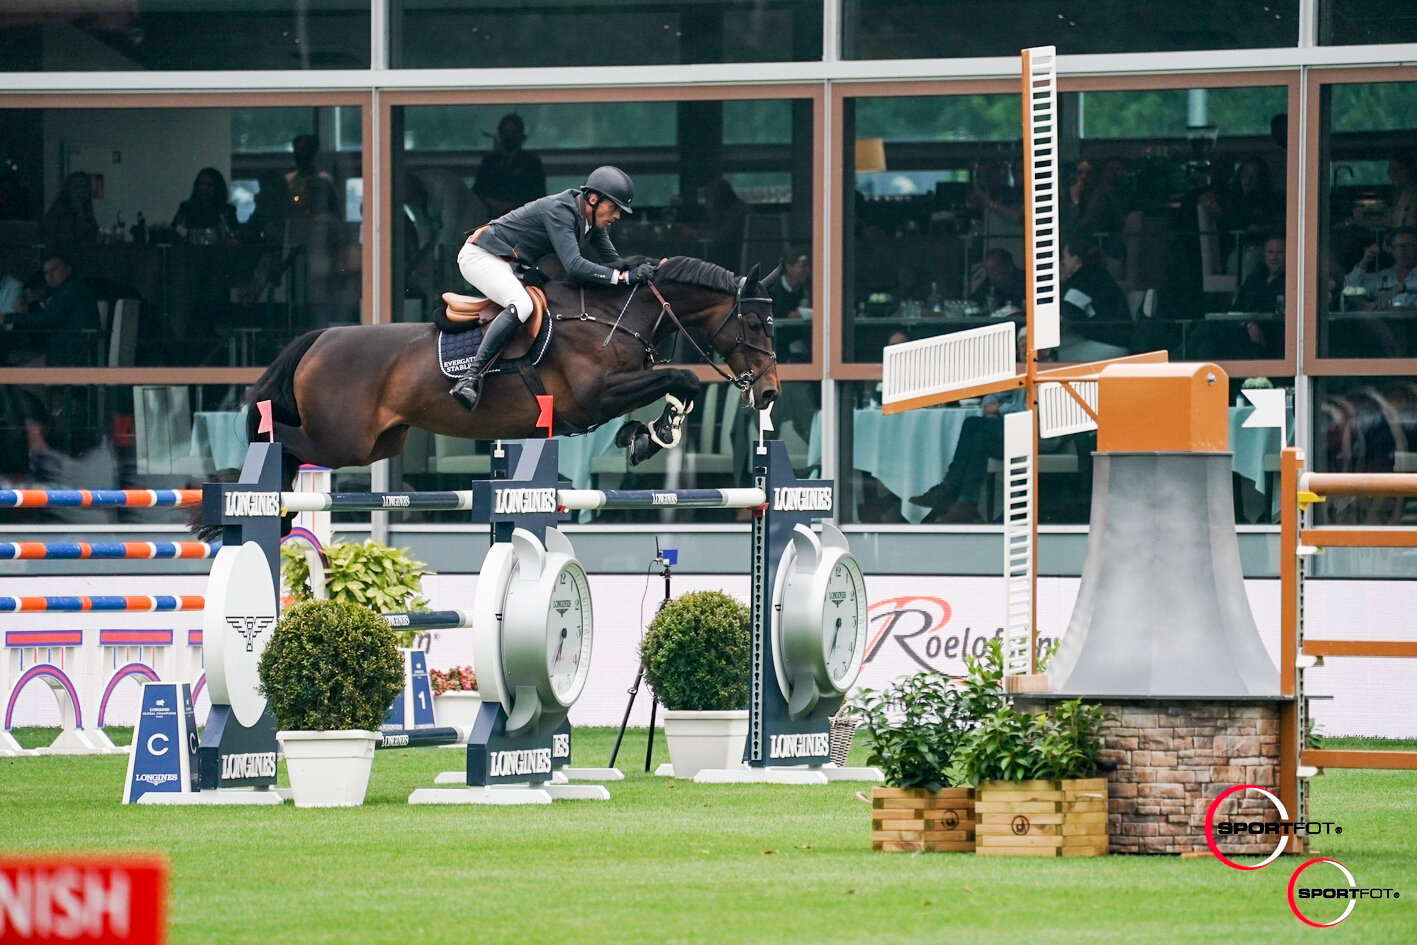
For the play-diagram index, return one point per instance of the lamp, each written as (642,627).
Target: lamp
(870,155)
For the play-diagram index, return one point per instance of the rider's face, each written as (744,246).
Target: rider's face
(603,212)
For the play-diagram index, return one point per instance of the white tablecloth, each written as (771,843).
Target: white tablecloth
(909,452)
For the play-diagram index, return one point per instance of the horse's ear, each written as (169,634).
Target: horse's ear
(752,277)
(773,276)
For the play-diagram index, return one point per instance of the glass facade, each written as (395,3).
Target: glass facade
(1174,199)
(1179,198)
(919,29)
(1367,288)
(161,36)
(499,34)
(177,236)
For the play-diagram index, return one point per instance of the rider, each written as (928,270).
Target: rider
(563,223)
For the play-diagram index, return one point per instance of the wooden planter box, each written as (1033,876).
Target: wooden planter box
(914,820)
(1042,818)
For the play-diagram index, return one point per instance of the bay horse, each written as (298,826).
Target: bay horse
(347,396)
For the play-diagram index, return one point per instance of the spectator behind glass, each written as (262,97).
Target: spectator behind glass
(789,296)
(509,177)
(1091,204)
(1003,283)
(207,217)
(69,309)
(1089,294)
(1246,210)
(15,203)
(70,218)
(312,191)
(1263,293)
(1402,172)
(266,224)
(1395,286)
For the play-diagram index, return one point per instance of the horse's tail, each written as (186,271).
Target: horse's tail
(278,386)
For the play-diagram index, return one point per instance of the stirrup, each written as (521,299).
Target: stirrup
(468,391)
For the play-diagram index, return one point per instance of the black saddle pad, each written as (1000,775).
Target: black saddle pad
(455,351)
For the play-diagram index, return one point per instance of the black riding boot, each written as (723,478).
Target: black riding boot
(468,389)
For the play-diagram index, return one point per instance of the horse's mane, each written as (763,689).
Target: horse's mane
(700,272)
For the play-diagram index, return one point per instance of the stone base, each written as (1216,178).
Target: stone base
(1174,757)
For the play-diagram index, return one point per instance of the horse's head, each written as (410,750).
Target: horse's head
(736,318)
(751,354)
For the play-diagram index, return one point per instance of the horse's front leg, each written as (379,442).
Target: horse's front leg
(679,388)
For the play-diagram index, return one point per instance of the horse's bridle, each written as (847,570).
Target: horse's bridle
(743,381)
(749,377)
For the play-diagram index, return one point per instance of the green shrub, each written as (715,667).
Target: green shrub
(330,665)
(696,653)
(386,580)
(1009,745)
(914,728)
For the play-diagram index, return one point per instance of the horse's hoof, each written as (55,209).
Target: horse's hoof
(627,433)
(643,449)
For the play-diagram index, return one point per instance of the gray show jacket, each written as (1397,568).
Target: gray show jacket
(551,224)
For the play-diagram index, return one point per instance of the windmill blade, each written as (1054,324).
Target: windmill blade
(1059,412)
(1020,576)
(935,370)
(1040,155)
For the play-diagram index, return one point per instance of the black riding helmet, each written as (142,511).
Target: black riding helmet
(613,184)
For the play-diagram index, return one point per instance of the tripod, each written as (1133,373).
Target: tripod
(666,559)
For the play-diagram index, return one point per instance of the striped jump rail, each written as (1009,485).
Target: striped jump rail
(430,620)
(69,550)
(99,498)
(132,603)
(568,499)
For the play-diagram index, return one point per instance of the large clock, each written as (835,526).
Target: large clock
(533,627)
(819,618)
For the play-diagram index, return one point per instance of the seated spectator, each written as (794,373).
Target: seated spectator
(1395,286)
(70,219)
(1089,292)
(1261,292)
(995,191)
(1003,283)
(1245,211)
(1402,173)
(207,217)
(1091,205)
(789,289)
(69,309)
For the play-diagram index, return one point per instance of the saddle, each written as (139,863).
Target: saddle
(466,312)
(461,326)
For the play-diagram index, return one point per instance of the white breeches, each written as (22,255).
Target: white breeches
(493,277)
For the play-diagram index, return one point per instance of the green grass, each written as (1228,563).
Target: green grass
(670,861)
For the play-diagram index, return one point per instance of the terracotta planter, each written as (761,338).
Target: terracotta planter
(1042,818)
(914,820)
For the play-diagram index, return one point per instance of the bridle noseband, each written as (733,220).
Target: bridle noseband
(749,377)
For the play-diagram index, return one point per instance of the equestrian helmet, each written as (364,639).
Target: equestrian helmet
(613,184)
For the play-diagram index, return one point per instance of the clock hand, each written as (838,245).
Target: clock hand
(836,633)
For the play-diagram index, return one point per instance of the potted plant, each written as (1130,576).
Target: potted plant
(456,700)
(915,728)
(1037,789)
(373,575)
(695,655)
(329,673)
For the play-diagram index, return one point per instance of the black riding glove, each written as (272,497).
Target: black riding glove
(640,274)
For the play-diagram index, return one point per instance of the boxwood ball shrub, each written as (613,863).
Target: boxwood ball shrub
(696,651)
(330,665)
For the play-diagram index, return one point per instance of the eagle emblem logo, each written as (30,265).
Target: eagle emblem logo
(250,628)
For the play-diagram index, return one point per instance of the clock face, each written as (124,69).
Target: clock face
(568,633)
(843,636)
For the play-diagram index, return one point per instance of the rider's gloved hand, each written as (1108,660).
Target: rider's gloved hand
(640,274)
